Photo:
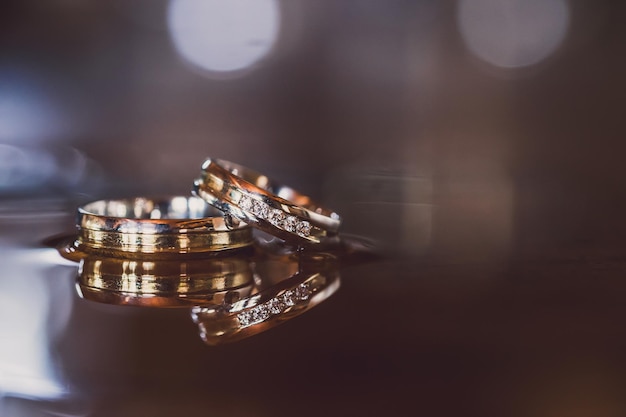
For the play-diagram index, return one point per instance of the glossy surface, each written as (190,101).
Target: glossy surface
(253,198)
(156,227)
(477,147)
(524,333)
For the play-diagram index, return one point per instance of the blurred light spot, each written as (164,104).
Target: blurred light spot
(513,33)
(27,313)
(26,115)
(223,36)
(197,207)
(262,181)
(120,210)
(156,213)
(23,167)
(179,207)
(27,166)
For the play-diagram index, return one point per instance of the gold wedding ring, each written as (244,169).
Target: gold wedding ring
(256,200)
(146,227)
(165,283)
(265,309)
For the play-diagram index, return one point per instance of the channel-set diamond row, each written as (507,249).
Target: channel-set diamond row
(276,305)
(275,216)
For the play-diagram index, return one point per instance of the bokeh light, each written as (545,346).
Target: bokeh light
(27,315)
(513,33)
(223,37)
(26,115)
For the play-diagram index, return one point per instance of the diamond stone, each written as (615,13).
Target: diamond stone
(260,209)
(289,298)
(260,313)
(303,228)
(290,224)
(276,306)
(245,318)
(276,217)
(246,203)
(303,292)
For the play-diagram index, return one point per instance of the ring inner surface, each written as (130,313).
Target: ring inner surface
(176,208)
(265,183)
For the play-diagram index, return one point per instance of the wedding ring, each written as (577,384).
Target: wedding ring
(165,283)
(284,289)
(266,309)
(256,200)
(170,226)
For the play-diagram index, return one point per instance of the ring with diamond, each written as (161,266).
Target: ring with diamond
(147,227)
(165,283)
(265,309)
(256,200)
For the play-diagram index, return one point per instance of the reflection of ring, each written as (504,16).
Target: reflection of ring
(176,225)
(258,201)
(166,283)
(265,309)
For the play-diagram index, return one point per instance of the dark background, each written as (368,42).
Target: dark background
(479,142)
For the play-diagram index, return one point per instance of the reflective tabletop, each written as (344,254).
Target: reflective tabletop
(473,151)
(527,334)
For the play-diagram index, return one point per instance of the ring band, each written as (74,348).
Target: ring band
(166,226)
(165,283)
(265,309)
(256,200)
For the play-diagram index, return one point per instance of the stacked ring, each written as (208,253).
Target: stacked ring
(159,252)
(256,200)
(156,227)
